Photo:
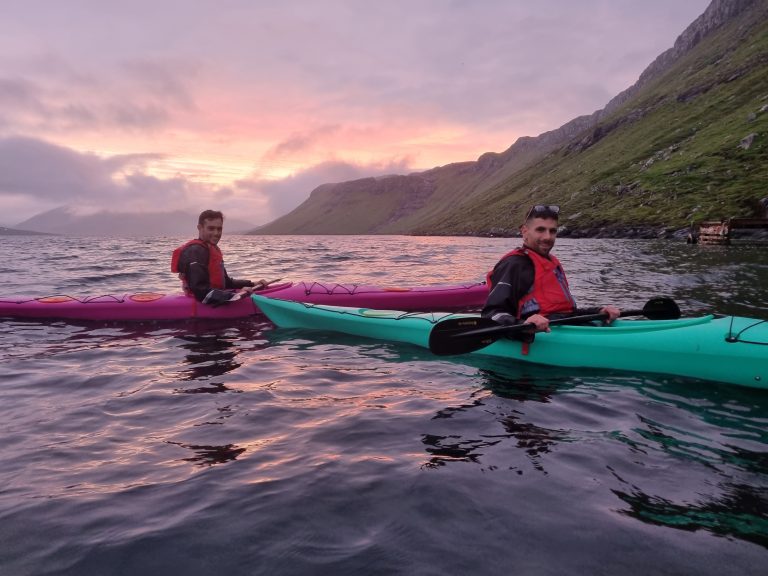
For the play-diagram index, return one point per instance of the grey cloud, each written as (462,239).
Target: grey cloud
(136,116)
(19,100)
(46,171)
(463,61)
(52,94)
(43,170)
(285,195)
(153,194)
(474,61)
(18,93)
(164,80)
(73,116)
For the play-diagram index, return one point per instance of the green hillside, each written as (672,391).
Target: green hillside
(668,156)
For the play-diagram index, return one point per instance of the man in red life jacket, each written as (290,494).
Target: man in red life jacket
(200,264)
(528,285)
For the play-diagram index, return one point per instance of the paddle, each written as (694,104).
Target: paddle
(261,285)
(240,294)
(463,335)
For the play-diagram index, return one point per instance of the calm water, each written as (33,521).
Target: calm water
(237,448)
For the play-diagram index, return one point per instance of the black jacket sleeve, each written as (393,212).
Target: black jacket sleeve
(233,283)
(511,278)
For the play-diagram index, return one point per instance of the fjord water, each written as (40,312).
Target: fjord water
(237,448)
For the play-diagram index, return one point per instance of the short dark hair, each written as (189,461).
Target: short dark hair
(209,215)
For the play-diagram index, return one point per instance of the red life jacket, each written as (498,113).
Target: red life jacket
(550,292)
(215,264)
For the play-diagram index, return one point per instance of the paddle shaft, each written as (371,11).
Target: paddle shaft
(520,327)
(467,334)
(270,282)
(247,291)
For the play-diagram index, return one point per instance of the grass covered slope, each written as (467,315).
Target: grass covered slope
(690,144)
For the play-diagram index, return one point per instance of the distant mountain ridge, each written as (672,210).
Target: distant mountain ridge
(63,220)
(685,142)
(17,232)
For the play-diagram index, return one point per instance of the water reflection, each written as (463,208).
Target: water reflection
(210,388)
(210,355)
(450,411)
(522,383)
(740,512)
(535,441)
(518,383)
(721,429)
(210,455)
(214,349)
(445,449)
(672,441)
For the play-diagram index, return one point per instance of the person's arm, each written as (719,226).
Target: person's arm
(612,311)
(236,284)
(511,278)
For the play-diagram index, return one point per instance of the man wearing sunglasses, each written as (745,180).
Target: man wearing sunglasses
(528,285)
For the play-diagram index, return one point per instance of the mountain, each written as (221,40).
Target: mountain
(16,232)
(177,223)
(688,141)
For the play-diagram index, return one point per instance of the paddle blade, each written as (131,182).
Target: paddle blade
(443,340)
(661,309)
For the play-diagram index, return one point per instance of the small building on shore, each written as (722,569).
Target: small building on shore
(753,231)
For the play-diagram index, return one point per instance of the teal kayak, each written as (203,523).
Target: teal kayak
(729,349)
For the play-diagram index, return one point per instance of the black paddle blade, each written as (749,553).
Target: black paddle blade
(661,309)
(443,341)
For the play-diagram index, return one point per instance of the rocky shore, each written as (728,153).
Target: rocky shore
(636,232)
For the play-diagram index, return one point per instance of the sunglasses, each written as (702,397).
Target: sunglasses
(543,210)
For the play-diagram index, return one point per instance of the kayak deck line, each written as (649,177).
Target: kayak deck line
(430,318)
(312,288)
(101,299)
(444,297)
(734,338)
(433,318)
(126,307)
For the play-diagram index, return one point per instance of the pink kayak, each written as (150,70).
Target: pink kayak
(156,306)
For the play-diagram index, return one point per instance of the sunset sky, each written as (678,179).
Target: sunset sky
(247,105)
